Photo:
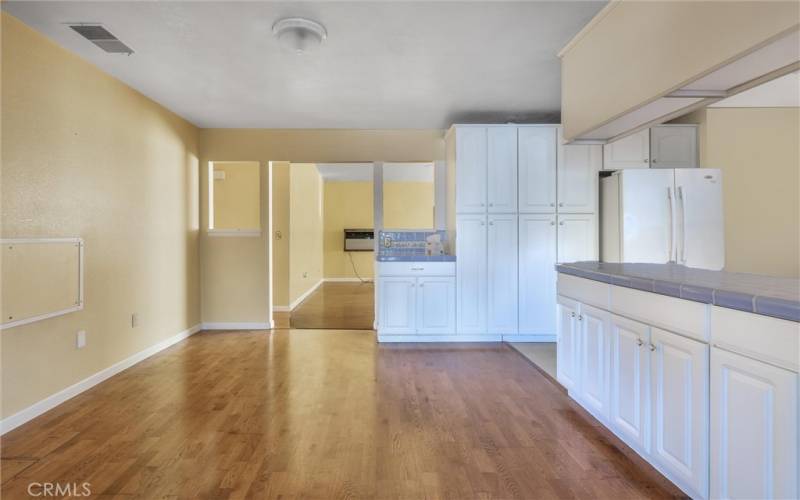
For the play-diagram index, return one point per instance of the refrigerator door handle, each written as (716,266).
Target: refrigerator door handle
(671,226)
(682,204)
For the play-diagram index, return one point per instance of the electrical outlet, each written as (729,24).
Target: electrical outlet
(134,320)
(80,339)
(305,275)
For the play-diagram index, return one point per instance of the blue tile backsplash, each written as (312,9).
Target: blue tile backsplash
(409,246)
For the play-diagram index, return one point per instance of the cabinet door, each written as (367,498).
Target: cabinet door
(628,411)
(567,344)
(537,169)
(436,306)
(673,146)
(537,274)
(594,357)
(679,389)
(629,152)
(502,169)
(397,302)
(578,169)
(577,237)
(753,429)
(471,150)
(503,276)
(471,285)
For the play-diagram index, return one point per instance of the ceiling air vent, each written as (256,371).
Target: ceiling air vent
(101,37)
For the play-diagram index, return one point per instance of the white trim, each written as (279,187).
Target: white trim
(529,338)
(346,280)
(50,402)
(236,326)
(305,295)
(439,338)
(588,27)
(281,309)
(228,233)
(81,271)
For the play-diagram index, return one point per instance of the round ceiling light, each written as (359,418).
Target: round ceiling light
(298,34)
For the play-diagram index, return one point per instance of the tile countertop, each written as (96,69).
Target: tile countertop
(416,258)
(765,295)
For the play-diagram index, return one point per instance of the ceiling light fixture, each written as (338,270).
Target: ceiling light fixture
(298,34)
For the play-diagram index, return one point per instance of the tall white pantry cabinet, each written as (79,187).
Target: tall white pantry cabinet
(521,201)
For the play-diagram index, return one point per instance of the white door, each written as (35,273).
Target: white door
(753,429)
(502,169)
(578,169)
(594,357)
(436,306)
(630,375)
(503,276)
(567,344)
(679,389)
(471,150)
(629,152)
(673,146)
(537,169)
(397,303)
(471,284)
(647,204)
(577,237)
(537,274)
(700,221)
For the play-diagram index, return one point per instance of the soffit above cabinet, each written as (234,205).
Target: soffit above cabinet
(638,64)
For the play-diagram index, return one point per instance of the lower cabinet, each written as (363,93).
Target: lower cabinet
(417,305)
(567,348)
(471,274)
(754,418)
(593,359)
(537,274)
(502,274)
(629,375)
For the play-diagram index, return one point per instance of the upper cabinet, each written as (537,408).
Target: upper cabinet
(502,169)
(537,169)
(578,169)
(471,151)
(664,146)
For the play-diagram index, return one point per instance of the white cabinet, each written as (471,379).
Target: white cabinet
(753,428)
(673,146)
(502,274)
(577,237)
(537,274)
(629,377)
(435,309)
(578,168)
(537,169)
(471,274)
(679,388)
(502,169)
(397,304)
(593,359)
(632,151)
(471,159)
(567,346)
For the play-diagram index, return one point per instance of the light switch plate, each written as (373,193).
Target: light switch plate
(134,320)
(80,339)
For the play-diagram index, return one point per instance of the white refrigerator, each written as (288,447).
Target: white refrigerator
(663,215)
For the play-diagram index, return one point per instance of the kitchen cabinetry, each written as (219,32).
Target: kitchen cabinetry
(593,359)
(436,305)
(578,169)
(663,146)
(502,274)
(397,304)
(537,274)
(567,346)
(629,376)
(471,274)
(577,237)
(537,169)
(502,169)
(471,150)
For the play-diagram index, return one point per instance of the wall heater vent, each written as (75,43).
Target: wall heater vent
(101,37)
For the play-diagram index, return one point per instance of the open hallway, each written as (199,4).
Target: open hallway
(307,413)
(337,305)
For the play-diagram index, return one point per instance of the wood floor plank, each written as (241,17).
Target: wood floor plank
(327,414)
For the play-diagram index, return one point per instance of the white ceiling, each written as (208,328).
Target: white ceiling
(783,92)
(392,172)
(384,65)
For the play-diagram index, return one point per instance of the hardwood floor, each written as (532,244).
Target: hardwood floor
(337,305)
(326,415)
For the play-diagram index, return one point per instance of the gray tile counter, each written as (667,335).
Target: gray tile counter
(765,295)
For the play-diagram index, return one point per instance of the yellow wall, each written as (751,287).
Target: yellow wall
(759,154)
(633,52)
(347,205)
(234,270)
(85,155)
(280,233)
(408,205)
(305,229)
(236,197)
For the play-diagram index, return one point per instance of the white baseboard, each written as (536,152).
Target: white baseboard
(237,326)
(347,280)
(70,392)
(304,296)
(438,338)
(529,338)
(281,309)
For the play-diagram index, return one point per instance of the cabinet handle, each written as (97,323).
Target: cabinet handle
(561,223)
(491,204)
(552,204)
(421,285)
(639,342)
(580,317)
(491,223)
(646,160)
(417,268)
(560,204)
(573,314)
(552,223)
(652,347)
(654,160)
(482,223)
